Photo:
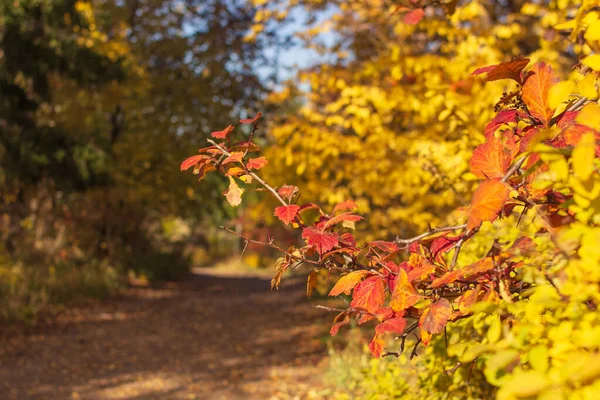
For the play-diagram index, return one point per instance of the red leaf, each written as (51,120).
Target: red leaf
(322,242)
(393,325)
(347,239)
(385,246)
(535,92)
(404,295)
(336,327)
(502,118)
(413,17)
(222,134)
(236,156)
(442,245)
(347,282)
(340,218)
(287,214)
(257,163)
(193,160)
(369,294)
(490,160)
(571,131)
(251,120)
(505,70)
(478,267)
(287,191)
(435,318)
(346,205)
(487,202)
(376,346)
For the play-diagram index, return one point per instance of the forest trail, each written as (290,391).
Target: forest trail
(209,337)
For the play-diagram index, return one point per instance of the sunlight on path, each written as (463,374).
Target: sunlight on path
(215,336)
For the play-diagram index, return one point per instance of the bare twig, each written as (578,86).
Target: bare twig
(429,233)
(272,245)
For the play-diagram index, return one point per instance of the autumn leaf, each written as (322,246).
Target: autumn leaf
(490,160)
(287,191)
(193,160)
(392,325)
(505,70)
(414,17)
(222,134)
(287,214)
(257,163)
(502,118)
(376,346)
(234,171)
(345,206)
(347,282)
(535,92)
(233,193)
(345,320)
(369,294)
(236,156)
(487,202)
(342,217)
(435,317)
(404,295)
(322,242)
(251,120)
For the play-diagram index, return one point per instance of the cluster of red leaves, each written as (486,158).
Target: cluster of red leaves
(394,283)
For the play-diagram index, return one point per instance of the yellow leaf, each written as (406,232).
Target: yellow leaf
(559,93)
(593,31)
(589,116)
(583,157)
(587,87)
(592,61)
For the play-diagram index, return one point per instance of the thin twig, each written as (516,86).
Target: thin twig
(272,245)
(429,233)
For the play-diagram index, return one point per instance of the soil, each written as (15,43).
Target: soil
(208,337)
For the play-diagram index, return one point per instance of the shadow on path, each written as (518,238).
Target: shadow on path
(210,337)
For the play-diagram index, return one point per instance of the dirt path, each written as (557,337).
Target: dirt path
(209,337)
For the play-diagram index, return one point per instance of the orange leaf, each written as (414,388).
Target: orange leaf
(447,278)
(287,213)
(344,206)
(251,120)
(435,318)
(257,163)
(322,242)
(404,295)
(487,202)
(236,156)
(234,171)
(342,217)
(393,325)
(490,160)
(341,320)
(193,160)
(369,294)
(287,191)
(376,346)
(535,92)
(223,134)
(506,70)
(413,17)
(233,194)
(347,282)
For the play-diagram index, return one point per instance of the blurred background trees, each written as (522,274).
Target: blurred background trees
(99,101)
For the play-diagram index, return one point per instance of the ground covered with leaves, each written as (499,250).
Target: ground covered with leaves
(208,337)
